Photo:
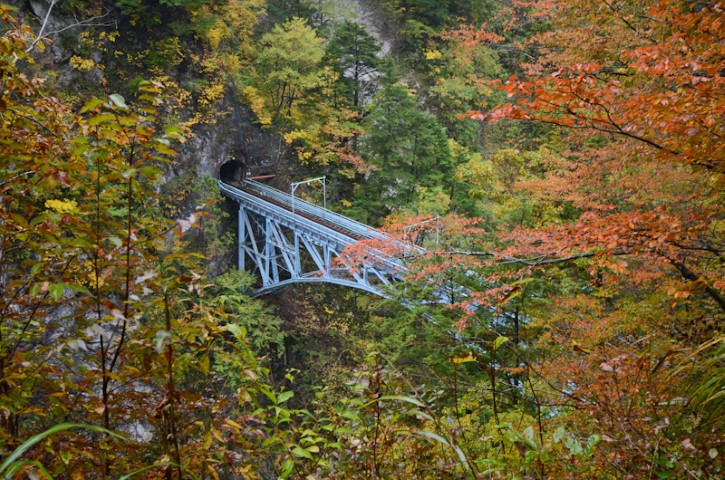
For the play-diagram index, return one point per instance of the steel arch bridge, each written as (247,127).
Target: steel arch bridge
(286,240)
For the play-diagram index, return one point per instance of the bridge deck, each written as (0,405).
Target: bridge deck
(317,218)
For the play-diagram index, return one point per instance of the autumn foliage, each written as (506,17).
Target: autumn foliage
(641,99)
(563,321)
(106,320)
(605,263)
(636,178)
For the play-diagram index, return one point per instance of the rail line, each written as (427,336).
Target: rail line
(315,218)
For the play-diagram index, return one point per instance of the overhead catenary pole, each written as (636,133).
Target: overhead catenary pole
(293,187)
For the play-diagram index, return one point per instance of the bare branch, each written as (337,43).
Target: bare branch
(42,28)
(89,22)
(12,179)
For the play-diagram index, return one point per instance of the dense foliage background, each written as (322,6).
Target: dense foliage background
(572,153)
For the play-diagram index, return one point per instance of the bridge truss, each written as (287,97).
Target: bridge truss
(287,240)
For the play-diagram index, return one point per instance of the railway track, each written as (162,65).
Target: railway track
(315,218)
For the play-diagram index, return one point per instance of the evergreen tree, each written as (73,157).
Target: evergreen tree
(355,53)
(406,147)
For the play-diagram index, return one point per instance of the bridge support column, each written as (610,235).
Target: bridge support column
(328,263)
(270,254)
(296,259)
(241,237)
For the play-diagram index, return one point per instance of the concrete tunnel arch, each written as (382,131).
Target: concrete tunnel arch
(232,171)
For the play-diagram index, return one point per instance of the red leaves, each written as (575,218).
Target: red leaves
(656,80)
(475,115)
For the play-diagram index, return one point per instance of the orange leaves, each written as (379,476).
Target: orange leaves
(468,36)
(475,115)
(657,79)
(627,256)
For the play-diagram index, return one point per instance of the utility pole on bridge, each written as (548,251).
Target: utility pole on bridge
(293,187)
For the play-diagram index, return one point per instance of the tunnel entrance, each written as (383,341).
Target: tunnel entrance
(232,171)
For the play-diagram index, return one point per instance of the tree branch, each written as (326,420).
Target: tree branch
(531,262)
(711,291)
(42,28)
(686,273)
(90,22)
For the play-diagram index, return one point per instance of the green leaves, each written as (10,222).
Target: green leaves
(433,436)
(56,291)
(302,453)
(91,104)
(284,396)
(13,463)
(104,118)
(400,398)
(118,101)
(498,342)
(288,65)
(408,148)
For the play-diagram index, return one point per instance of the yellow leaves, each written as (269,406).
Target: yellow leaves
(579,348)
(298,135)
(214,35)
(304,155)
(82,64)
(231,62)
(211,95)
(234,425)
(258,105)
(306,141)
(110,36)
(243,396)
(233,24)
(479,173)
(62,206)
(513,293)
(90,274)
(433,54)
(410,91)
(457,360)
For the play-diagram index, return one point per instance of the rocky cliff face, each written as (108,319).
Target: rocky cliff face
(368,15)
(235,137)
